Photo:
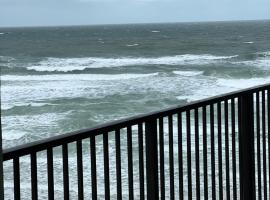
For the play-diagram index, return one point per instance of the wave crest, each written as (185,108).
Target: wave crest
(72,64)
(80,77)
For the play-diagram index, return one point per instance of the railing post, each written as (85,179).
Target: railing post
(246,147)
(1,163)
(151,159)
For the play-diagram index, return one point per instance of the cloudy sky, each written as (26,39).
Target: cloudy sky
(84,12)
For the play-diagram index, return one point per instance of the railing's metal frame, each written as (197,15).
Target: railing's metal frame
(246,148)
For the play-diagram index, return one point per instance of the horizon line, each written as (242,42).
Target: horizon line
(131,23)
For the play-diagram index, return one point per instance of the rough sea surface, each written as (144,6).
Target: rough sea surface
(60,79)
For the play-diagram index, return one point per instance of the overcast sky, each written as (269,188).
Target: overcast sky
(84,12)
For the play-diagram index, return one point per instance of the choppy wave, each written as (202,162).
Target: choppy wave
(6,59)
(263,54)
(242,83)
(222,86)
(257,63)
(18,106)
(188,73)
(71,64)
(78,77)
(262,60)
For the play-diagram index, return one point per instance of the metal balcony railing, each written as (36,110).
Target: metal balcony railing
(217,148)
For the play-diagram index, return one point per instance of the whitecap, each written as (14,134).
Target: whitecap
(132,45)
(265,53)
(213,86)
(14,135)
(71,64)
(34,104)
(242,83)
(248,42)
(188,73)
(154,31)
(261,63)
(6,59)
(2,33)
(77,77)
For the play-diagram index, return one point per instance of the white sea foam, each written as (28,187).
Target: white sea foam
(265,53)
(2,33)
(13,124)
(154,31)
(77,77)
(261,63)
(188,73)
(242,83)
(248,42)
(263,60)
(70,64)
(6,59)
(33,104)
(217,86)
(132,45)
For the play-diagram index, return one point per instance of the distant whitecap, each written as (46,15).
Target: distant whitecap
(132,45)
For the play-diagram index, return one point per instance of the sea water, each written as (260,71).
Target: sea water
(60,79)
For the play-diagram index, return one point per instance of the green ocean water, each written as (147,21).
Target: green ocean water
(60,79)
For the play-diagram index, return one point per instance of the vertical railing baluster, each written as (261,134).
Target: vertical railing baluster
(258,144)
(65,171)
(264,145)
(213,163)
(1,162)
(233,148)
(197,150)
(151,159)
(118,164)
(17,181)
(227,155)
(246,147)
(141,160)
(180,155)
(189,154)
(171,158)
(205,153)
(268,136)
(93,167)
(34,181)
(161,159)
(80,170)
(220,168)
(130,163)
(50,173)
(106,166)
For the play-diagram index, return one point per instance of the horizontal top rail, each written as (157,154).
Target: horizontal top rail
(43,144)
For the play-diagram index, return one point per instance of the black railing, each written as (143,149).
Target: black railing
(217,148)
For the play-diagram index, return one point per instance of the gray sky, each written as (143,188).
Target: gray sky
(84,12)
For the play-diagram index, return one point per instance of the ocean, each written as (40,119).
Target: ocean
(59,79)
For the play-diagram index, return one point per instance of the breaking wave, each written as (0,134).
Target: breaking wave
(71,64)
(262,60)
(78,77)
